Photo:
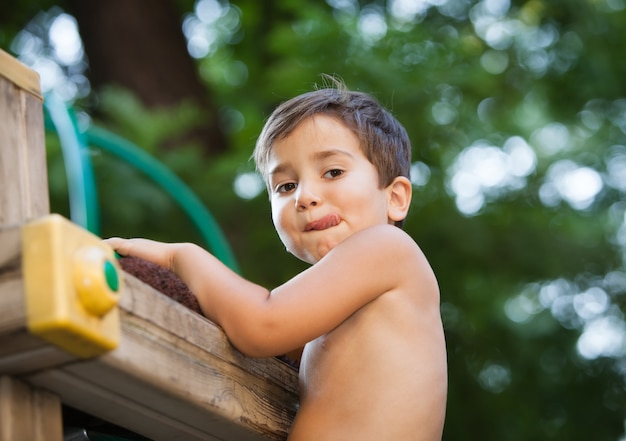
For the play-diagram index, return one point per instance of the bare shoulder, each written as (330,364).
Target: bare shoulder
(375,263)
(387,246)
(379,259)
(383,237)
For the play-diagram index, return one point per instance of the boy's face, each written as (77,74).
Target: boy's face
(322,188)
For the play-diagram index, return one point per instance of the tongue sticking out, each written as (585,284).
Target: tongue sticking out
(330,220)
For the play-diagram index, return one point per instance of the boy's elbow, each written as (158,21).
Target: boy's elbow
(257,340)
(254,347)
(255,326)
(254,351)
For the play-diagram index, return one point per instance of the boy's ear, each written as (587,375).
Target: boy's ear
(399,193)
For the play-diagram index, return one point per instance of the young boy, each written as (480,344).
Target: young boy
(336,165)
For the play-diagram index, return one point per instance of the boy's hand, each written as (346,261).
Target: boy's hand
(156,252)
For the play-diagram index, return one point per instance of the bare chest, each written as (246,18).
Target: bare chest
(331,359)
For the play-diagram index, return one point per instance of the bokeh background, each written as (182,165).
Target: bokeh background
(517,114)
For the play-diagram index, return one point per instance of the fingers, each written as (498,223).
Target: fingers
(118,244)
(130,247)
(155,252)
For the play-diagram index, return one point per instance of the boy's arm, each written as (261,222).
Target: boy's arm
(213,284)
(259,323)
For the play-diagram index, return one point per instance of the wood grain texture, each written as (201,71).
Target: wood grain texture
(20,75)
(27,413)
(23,170)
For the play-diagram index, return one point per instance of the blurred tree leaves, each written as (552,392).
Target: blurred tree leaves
(533,283)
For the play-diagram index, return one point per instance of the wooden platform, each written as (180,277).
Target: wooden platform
(174,375)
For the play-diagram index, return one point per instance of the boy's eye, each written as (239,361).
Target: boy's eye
(284,188)
(333,173)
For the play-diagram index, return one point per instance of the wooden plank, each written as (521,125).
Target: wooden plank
(20,75)
(23,170)
(10,249)
(27,413)
(179,381)
(10,275)
(36,191)
(174,375)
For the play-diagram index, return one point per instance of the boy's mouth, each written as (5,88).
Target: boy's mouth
(330,220)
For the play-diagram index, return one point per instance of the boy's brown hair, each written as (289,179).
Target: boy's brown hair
(383,139)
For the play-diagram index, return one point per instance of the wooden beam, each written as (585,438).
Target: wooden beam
(174,375)
(23,171)
(20,75)
(27,413)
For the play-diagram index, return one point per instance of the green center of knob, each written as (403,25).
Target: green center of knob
(110,273)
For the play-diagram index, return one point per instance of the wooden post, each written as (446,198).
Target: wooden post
(23,172)
(26,413)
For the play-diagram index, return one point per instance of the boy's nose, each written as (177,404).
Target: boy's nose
(306,197)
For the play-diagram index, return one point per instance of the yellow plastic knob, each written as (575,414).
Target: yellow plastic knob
(72,283)
(95,279)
